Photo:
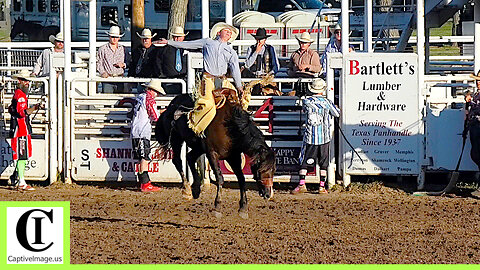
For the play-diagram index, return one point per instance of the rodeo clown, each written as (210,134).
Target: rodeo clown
(218,56)
(20,129)
(316,139)
(145,112)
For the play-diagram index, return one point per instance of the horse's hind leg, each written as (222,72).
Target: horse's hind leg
(235,162)
(192,157)
(213,160)
(177,161)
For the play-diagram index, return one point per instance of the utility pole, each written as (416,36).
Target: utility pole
(177,15)
(138,21)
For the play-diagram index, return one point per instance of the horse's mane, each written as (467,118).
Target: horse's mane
(245,133)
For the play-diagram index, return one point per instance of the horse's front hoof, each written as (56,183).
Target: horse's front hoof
(217,214)
(268,194)
(187,192)
(243,214)
(187,197)
(196,191)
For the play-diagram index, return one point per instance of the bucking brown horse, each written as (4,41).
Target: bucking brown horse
(231,133)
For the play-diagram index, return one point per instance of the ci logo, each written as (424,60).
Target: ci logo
(37,225)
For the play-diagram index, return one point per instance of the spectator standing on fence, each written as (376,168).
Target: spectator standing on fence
(172,61)
(334,45)
(218,56)
(143,57)
(261,57)
(111,59)
(316,139)
(304,62)
(42,66)
(21,130)
(145,112)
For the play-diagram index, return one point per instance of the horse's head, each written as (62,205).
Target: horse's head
(15,28)
(263,169)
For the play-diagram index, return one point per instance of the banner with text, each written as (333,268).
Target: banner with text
(102,160)
(381,117)
(36,167)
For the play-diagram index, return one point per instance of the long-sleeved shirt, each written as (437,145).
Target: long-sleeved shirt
(318,112)
(145,112)
(252,58)
(308,57)
(42,65)
(332,46)
(107,57)
(20,124)
(217,56)
(143,63)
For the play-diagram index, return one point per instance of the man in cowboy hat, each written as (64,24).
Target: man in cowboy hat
(316,139)
(20,129)
(261,57)
(334,45)
(172,61)
(217,58)
(42,66)
(111,59)
(304,62)
(143,57)
(144,113)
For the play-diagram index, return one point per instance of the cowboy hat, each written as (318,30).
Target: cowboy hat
(155,85)
(318,86)
(476,77)
(178,31)
(219,27)
(58,37)
(22,74)
(261,34)
(114,31)
(146,33)
(335,28)
(305,38)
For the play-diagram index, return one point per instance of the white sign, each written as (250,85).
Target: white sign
(381,117)
(35,235)
(103,160)
(36,168)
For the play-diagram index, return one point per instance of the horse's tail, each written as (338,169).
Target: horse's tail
(163,128)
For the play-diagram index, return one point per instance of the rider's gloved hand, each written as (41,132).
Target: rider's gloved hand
(240,92)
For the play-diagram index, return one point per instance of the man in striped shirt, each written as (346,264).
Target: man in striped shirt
(145,112)
(111,59)
(316,140)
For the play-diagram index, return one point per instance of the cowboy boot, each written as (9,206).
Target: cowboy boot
(13,178)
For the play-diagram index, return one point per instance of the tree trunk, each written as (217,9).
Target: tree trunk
(177,15)
(138,21)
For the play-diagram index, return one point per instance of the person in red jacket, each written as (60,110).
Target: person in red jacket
(20,129)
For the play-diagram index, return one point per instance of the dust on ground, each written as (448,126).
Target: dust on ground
(367,224)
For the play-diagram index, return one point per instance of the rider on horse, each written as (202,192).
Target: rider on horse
(217,58)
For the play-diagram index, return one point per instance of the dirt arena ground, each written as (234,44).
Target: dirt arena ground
(376,224)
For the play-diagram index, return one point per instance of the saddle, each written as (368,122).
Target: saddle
(223,95)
